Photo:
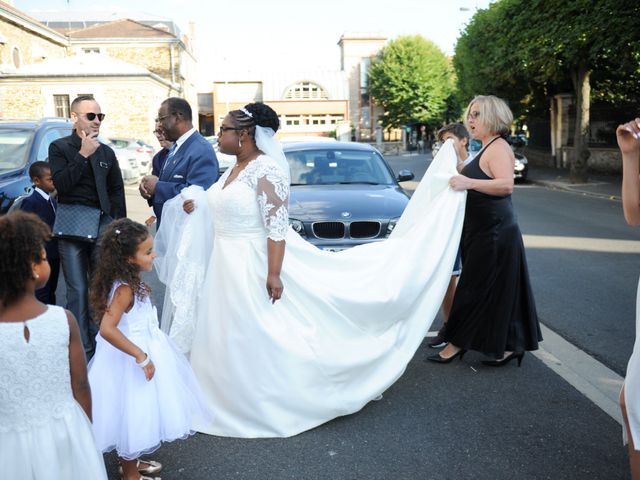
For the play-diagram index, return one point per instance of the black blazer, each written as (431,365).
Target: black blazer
(68,168)
(35,203)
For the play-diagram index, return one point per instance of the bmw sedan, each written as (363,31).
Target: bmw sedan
(343,194)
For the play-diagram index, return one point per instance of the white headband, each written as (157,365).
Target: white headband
(246,112)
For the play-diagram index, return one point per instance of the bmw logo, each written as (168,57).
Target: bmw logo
(345,214)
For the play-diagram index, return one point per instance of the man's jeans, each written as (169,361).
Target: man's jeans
(76,258)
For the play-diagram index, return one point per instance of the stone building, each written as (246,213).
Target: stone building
(317,103)
(127,65)
(308,102)
(128,94)
(154,48)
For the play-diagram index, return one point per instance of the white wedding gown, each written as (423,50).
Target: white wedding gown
(348,322)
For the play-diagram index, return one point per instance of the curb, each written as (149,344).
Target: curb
(566,187)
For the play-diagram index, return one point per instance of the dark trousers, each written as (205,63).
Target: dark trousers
(47,294)
(77,262)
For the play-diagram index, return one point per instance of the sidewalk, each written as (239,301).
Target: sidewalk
(598,185)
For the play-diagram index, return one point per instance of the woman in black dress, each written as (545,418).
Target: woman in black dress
(493,309)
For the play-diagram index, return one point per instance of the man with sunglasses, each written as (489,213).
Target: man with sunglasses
(190,161)
(85,172)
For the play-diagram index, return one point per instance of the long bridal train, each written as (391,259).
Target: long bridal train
(348,323)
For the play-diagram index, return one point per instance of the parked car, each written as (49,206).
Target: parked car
(343,194)
(143,152)
(305,138)
(130,167)
(23,142)
(224,161)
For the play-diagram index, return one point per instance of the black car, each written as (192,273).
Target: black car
(343,194)
(23,142)
(521,167)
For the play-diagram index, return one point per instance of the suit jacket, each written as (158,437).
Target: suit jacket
(158,161)
(35,203)
(194,163)
(68,168)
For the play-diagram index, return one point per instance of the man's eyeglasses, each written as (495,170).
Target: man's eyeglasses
(223,129)
(92,116)
(159,119)
(473,115)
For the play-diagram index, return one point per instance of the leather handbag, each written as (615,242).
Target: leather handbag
(77,222)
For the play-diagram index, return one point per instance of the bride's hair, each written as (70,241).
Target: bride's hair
(254,114)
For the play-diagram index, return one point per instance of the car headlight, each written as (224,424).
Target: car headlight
(391,225)
(297,226)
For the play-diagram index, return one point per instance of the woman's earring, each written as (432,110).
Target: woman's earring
(239,143)
(36,276)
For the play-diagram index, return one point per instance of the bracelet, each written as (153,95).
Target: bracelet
(144,363)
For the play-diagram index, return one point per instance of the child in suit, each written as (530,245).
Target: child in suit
(42,204)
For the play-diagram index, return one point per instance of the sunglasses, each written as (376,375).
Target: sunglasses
(222,129)
(92,116)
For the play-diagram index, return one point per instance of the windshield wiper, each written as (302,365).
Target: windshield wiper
(359,183)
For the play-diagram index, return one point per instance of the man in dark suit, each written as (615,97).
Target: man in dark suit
(44,205)
(85,172)
(191,160)
(156,165)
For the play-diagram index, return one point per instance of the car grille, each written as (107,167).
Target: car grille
(328,229)
(364,229)
(333,230)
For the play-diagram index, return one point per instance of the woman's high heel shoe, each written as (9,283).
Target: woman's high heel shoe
(505,360)
(440,359)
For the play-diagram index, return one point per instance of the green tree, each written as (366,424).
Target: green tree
(413,81)
(528,50)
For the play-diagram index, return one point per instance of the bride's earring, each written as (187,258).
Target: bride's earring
(239,143)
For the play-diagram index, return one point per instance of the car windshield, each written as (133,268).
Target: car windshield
(14,143)
(330,167)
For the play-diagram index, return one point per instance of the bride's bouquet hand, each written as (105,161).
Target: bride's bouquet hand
(189,206)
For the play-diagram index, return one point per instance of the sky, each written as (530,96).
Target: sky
(287,34)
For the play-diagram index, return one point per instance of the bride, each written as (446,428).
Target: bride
(283,336)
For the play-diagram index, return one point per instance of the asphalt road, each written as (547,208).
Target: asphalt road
(463,420)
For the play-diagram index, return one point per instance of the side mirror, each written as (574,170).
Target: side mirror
(405,175)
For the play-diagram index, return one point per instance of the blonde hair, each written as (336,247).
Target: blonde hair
(494,113)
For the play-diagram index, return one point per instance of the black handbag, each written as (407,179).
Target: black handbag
(76,222)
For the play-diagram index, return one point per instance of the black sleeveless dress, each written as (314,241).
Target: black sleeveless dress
(493,308)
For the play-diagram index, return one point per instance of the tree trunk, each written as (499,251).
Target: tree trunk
(578,172)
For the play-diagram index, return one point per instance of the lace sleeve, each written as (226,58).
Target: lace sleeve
(273,198)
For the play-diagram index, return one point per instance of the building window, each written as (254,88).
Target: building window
(306,91)
(91,50)
(16,57)
(61,103)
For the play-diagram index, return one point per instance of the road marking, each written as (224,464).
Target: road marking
(598,383)
(595,381)
(587,244)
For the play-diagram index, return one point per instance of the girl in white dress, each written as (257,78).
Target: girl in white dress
(629,143)
(144,390)
(45,399)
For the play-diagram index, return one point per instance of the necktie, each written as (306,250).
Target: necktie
(170,155)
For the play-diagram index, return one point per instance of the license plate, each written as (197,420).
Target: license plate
(333,249)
